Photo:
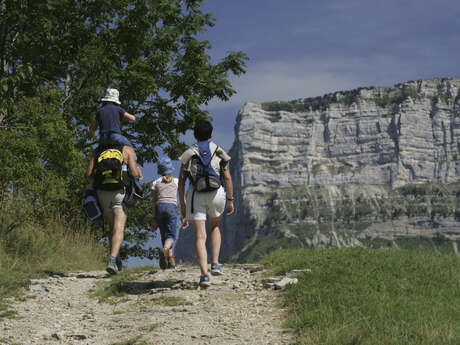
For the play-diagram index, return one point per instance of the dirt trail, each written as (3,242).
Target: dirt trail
(236,309)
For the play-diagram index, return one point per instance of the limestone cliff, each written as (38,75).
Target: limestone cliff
(346,168)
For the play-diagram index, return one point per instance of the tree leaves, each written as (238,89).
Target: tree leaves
(58,57)
(147,49)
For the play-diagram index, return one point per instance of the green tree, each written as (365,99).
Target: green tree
(149,49)
(40,162)
(58,56)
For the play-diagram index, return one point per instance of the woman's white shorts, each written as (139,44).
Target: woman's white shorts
(205,203)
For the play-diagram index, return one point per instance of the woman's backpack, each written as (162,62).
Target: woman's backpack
(202,174)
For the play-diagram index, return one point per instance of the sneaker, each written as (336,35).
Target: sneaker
(163,264)
(119,264)
(216,270)
(205,281)
(112,266)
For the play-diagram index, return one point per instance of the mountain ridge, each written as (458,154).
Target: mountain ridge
(339,169)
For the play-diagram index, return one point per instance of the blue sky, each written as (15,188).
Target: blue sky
(301,48)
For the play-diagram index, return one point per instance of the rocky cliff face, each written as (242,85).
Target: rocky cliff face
(346,168)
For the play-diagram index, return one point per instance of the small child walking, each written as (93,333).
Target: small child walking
(164,211)
(108,118)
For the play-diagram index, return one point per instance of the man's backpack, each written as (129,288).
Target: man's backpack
(108,169)
(202,174)
(134,193)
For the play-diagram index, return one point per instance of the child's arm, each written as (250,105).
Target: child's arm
(154,204)
(128,117)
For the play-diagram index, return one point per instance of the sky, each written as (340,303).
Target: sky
(306,48)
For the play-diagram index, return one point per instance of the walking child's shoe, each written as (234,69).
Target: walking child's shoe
(112,266)
(205,281)
(170,259)
(216,270)
(163,263)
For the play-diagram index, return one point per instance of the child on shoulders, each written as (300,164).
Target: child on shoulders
(108,119)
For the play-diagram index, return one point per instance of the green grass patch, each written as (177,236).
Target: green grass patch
(134,341)
(171,301)
(150,328)
(365,296)
(7,313)
(119,285)
(108,291)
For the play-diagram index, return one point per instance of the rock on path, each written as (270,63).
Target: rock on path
(236,309)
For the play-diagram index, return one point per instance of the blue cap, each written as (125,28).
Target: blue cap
(164,166)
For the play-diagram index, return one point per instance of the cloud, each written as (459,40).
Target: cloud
(278,80)
(292,79)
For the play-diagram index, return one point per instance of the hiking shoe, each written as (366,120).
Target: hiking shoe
(163,264)
(112,266)
(205,281)
(171,260)
(119,263)
(216,270)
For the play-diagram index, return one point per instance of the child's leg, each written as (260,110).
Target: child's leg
(117,138)
(171,225)
(159,217)
(104,139)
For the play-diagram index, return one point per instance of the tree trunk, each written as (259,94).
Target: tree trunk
(3,59)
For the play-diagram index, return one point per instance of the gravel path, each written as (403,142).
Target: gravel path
(157,307)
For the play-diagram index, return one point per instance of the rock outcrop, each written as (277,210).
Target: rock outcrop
(346,168)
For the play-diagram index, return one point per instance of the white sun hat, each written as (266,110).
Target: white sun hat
(111,95)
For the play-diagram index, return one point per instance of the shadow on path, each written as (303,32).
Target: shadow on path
(138,288)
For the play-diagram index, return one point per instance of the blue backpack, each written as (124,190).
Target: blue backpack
(91,204)
(202,175)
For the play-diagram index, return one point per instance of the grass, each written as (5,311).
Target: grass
(171,301)
(150,328)
(32,251)
(364,296)
(110,291)
(6,313)
(134,341)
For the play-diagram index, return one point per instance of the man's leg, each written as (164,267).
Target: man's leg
(200,244)
(119,222)
(109,219)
